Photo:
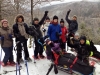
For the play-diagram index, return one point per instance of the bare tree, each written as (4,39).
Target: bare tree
(36,2)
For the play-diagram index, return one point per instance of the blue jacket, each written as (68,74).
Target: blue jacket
(52,30)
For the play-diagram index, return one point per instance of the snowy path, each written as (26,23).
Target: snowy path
(41,66)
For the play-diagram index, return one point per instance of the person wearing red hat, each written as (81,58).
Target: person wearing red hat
(6,35)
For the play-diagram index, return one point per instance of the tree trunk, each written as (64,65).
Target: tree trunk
(17,7)
(0,10)
(31,10)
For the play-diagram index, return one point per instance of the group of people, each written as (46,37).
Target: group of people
(57,32)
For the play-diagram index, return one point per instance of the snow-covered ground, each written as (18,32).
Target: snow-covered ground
(40,67)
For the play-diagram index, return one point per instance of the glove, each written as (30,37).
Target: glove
(58,34)
(46,12)
(10,35)
(2,38)
(71,35)
(43,30)
(69,10)
(46,37)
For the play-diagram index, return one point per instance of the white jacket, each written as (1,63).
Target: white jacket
(45,26)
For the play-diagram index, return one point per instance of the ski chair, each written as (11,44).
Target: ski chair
(66,61)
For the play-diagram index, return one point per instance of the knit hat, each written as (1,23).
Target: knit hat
(61,21)
(55,17)
(75,16)
(47,18)
(4,20)
(83,38)
(36,19)
(76,34)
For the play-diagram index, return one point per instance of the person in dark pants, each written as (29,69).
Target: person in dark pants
(37,25)
(21,32)
(6,35)
(54,30)
(82,49)
(73,25)
(63,35)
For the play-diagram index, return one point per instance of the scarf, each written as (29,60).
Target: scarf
(22,30)
(5,28)
(54,23)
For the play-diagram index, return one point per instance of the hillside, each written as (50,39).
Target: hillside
(88,14)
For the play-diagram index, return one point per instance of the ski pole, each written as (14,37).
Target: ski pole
(25,61)
(0,58)
(33,52)
(17,65)
(49,70)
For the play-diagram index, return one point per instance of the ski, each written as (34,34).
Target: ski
(67,70)
(5,71)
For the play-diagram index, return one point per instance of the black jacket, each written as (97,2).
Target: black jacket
(82,50)
(17,33)
(73,25)
(75,41)
(37,27)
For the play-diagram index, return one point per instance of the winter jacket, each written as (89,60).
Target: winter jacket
(75,41)
(63,35)
(38,27)
(7,42)
(17,33)
(52,30)
(82,50)
(73,25)
(45,26)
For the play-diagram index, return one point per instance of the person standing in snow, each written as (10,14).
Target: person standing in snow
(6,35)
(73,25)
(37,25)
(20,30)
(63,35)
(54,30)
(45,26)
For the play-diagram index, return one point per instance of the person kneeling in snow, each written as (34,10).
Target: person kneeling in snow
(6,35)
(83,50)
(93,52)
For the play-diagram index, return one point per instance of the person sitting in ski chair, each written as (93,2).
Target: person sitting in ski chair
(82,49)
(65,60)
(93,52)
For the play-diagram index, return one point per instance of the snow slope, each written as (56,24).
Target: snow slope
(40,68)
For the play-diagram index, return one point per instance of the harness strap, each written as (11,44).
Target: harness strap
(56,58)
(73,62)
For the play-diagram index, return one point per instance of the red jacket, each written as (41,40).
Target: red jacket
(64,32)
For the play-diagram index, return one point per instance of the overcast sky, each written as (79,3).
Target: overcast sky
(64,1)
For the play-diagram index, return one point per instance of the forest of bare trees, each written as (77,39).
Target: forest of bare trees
(10,8)
(88,15)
